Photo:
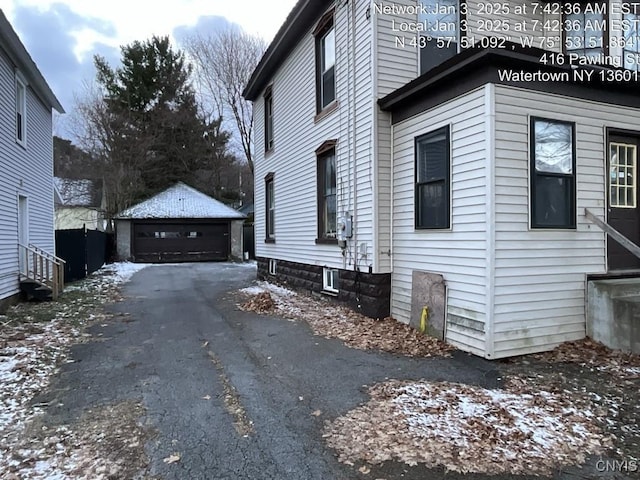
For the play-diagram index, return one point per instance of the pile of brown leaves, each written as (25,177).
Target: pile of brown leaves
(590,353)
(261,303)
(388,335)
(466,429)
(588,373)
(329,320)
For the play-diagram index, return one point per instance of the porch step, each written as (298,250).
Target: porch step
(613,313)
(33,290)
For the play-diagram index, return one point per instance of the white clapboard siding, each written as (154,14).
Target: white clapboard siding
(23,171)
(297,136)
(459,254)
(511,20)
(539,274)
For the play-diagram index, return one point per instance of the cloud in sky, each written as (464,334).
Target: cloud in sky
(51,39)
(62,36)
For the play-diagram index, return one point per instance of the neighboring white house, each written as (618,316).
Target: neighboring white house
(81,204)
(26,159)
(399,170)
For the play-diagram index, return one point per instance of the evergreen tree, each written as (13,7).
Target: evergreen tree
(156,134)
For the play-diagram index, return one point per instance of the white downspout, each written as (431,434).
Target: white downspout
(490,169)
(375,142)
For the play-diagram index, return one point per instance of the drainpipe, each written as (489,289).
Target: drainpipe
(374,142)
(352,76)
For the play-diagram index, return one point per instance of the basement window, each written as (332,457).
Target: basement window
(330,280)
(273,264)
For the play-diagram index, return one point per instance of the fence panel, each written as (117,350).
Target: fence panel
(96,249)
(249,238)
(84,251)
(70,246)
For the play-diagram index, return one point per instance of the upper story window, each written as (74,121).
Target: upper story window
(631,49)
(325,61)
(21,111)
(433,186)
(268,120)
(553,174)
(327,205)
(444,23)
(585,30)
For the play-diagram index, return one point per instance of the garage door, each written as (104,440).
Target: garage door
(180,242)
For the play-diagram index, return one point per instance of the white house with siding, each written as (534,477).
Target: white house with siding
(390,166)
(26,160)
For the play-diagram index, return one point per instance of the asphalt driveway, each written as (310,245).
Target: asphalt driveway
(234,394)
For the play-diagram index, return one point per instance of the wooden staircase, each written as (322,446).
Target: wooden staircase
(41,273)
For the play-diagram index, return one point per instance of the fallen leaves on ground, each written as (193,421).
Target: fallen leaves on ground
(34,341)
(466,429)
(590,353)
(261,303)
(588,373)
(336,321)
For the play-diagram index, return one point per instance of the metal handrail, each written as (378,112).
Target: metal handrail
(613,233)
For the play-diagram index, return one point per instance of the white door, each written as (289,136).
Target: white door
(23,230)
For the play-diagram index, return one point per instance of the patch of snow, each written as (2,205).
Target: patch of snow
(534,426)
(181,201)
(253,290)
(269,287)
(467,429)
(122,272)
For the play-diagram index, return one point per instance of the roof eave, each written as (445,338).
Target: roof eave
(19,56)
(298,22)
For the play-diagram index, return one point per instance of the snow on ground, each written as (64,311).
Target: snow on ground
(122,272)
(467,429)
(268,287)
(33,341)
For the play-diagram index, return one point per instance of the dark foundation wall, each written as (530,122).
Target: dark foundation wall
(5,303)
(367,293)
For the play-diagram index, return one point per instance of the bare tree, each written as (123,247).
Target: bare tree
(224,61)
(98,132)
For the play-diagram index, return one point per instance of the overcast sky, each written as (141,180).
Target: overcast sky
(63,35)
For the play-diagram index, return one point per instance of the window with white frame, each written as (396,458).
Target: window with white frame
(273,266)
(21,111)
(330,280)
(325,35)
(585,30)
(445,22)
(631,48)
(622,176)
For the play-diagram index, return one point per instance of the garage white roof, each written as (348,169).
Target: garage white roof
(180,201)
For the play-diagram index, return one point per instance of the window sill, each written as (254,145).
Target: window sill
(328,110)
(268,153)
(329,293)
(269,240)
(21,143)
(433,229)
(326,241)
(535,228)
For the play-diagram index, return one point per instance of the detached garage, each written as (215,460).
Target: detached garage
(180,224)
